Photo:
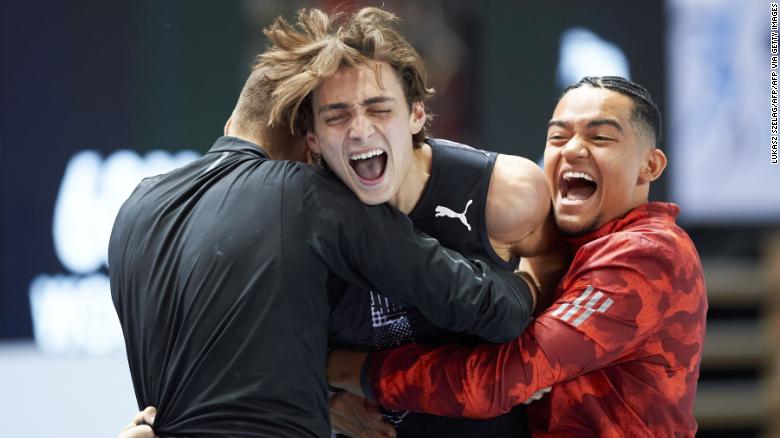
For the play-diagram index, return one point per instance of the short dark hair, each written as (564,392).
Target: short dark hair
(645,114)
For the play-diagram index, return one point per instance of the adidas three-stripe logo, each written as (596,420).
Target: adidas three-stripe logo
(567,311)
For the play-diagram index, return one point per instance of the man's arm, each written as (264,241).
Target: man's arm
(357,417)
(488,380)
(377,247)
(518,206)
(520,222)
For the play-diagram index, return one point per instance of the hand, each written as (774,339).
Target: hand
(546,271)
(139,427)
(357,417)
(344,370)
(547,268)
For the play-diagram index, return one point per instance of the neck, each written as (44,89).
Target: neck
(416,179)
(277,142)
(240,134)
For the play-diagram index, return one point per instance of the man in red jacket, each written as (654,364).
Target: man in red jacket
(618,351)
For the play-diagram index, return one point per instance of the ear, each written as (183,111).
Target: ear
(300,150)
(417,117)
(313,142)
(228,124)
(653,167)
(308,155)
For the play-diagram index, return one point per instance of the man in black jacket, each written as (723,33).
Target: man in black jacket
(218,273)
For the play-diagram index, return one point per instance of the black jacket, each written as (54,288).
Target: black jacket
(218,273)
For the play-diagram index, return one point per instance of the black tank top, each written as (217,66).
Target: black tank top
(452,209)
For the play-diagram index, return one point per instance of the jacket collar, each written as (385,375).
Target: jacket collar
(644,211)
(235,144)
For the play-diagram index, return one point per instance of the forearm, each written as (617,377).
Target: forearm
(344,370)
(471,297)
(452,380)
(547,266)
(377,247)
(566,341)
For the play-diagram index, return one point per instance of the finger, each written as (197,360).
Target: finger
(343,425)
(138,418)
(380,429)
(143,431)
(148,415)
(364,415)
(372,410)
(340,418)
(374,419)
(376,426)
(143,417)
(372,427)
(374,433)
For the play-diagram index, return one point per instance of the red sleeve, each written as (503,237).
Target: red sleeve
(608,305)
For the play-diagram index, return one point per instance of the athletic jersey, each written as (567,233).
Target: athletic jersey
(218,273)
(451,209)
(618,351)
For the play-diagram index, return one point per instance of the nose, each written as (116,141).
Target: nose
(361,129)
(574,149)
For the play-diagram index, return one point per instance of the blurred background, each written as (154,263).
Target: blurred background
(96,95)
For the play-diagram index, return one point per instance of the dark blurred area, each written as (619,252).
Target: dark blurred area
(96,94)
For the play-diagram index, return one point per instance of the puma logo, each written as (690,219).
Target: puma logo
(442,211)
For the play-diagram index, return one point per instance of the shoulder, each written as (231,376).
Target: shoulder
(321,196)
(630,248)
(442,142)
(662,239)
(648,277)
(512,172)
(518,197)
(657,254)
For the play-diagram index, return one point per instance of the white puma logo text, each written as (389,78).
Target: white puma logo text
(446,212)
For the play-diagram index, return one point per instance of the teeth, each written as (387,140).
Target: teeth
(366,155)
(571,175)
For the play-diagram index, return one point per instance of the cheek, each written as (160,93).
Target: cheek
(619,186)
(400,140)
(548,165)
(328,144)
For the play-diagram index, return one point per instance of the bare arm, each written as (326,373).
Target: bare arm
(518,207)
(520,222)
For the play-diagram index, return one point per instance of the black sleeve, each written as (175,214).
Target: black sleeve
(349,323)
(377,247)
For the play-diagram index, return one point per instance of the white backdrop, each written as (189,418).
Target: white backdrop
(63,396)
(719,111)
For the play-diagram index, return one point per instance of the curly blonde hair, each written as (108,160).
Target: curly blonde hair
(302,56)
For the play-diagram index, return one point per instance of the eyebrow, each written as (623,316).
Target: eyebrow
(558,123)
(367,102)
(610,122)
(592,124)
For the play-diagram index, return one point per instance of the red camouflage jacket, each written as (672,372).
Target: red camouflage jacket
(618,350)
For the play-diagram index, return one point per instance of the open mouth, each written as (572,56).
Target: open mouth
(577,187)
(369,166)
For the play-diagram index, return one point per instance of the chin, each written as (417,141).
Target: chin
(574,228)
(371,198)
